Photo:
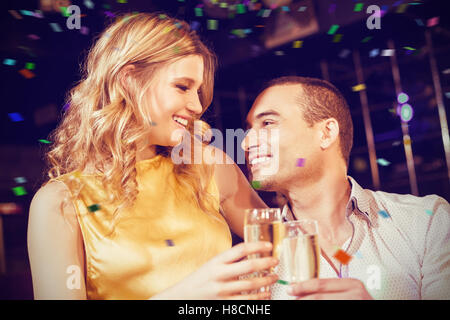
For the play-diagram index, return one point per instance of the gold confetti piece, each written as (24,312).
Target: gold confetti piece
(297,44)
(359,87)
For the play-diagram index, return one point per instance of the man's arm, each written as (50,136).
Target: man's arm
(436,262)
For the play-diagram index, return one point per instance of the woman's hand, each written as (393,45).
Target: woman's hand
(219,277)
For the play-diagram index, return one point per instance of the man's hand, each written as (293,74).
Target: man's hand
(329,289)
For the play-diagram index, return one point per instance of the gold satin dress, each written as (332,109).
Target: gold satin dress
(156,243)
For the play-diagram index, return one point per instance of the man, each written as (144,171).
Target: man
(399,244)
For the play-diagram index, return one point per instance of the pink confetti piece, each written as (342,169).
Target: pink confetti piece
(301,162)
(432,22)
(84,30)
(33,37)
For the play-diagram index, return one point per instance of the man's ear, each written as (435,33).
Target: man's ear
(125,76)
(329,132)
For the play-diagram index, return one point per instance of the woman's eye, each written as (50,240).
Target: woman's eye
(181,87)
(267,122)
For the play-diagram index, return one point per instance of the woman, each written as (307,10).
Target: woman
(117,218)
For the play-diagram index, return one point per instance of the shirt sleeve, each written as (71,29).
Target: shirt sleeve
(436,261)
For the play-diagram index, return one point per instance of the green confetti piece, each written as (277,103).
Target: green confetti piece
(44,141)
(162,16)
(383,162)
(29,65)
(358,7)
(198,12)
(19,191)
(366,39)
(64,11)
(333,29)
(409,48)
(94,207)
(240,8)
(283,282)
(106,6)
(223,5)
(256,184)
(337,38)
(212,24)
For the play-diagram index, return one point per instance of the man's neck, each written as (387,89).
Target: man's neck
(324,201)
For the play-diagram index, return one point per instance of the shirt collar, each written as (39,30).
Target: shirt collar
(358,203)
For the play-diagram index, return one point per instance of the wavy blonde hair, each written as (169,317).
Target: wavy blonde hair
(105,121)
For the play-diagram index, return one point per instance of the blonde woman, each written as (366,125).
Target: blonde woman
(118,219)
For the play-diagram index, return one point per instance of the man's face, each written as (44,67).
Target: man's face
(278,108)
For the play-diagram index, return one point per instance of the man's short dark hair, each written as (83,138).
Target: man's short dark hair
(321,101)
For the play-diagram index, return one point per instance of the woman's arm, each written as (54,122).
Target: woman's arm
(236,194)
(55,245)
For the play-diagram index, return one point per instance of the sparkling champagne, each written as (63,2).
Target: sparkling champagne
(301,256)
(266,231)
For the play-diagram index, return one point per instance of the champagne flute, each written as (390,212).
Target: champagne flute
(264,225)
(301,251)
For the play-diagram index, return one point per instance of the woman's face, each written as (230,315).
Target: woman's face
(173,99)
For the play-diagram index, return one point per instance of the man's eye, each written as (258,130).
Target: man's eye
(181,87)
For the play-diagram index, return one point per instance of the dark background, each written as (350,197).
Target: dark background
(247,60)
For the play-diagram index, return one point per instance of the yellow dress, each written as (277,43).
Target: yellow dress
(156,243)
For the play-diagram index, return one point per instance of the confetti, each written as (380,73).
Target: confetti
(284,282)
(447,95)
(420,22)
(297,44)
(342,256)
(20,180)
(358,255)
(337,37)
(19,191)
(302,9)
(198,12)
(194,25)
(26,73)
(359,87)
(29,66)
(366,39)
(333,29)
(44,141)
(169,242)
(212,24)
(109,14)
(387,53)
(15,117)
(33,37)
(301,162)
(358,7)
(266,13)
(384,214)
(27,13)
(55,27)
(344,53)
(409,48)
(373,53)
(125,1)
(407,140)
(84,30)
(64,11)
(383,162)
(240,9)
(94,207)
(429,212)
(402,8)
(285,8)
(432,22)
(15,14)
(89,4)
(256,184)
(9,62)
(279,53)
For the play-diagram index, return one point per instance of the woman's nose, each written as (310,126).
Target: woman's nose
(194,105)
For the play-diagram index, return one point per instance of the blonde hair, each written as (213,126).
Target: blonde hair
(105,121)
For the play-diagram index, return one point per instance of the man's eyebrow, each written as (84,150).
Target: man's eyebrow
(262,115)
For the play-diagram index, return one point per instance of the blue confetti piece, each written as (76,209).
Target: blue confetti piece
(170,243)
(384,214)
(15,117)
(429,212)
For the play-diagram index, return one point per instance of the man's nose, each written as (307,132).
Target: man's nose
(250,140)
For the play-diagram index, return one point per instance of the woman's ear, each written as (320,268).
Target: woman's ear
(329,132)
(125,75)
